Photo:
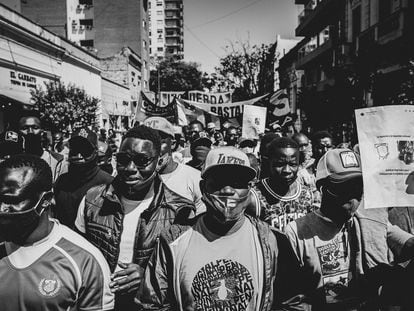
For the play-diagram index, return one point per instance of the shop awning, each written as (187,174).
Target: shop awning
(6,101)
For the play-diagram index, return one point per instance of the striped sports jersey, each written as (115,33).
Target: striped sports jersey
(61,272)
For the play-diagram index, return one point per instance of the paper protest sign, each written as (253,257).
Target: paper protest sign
(254,121)
(386,142)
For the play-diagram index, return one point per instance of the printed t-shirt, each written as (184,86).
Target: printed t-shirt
(185,181)
(324,250)
(132,210)
(221,273)
(61,272)
(278,210)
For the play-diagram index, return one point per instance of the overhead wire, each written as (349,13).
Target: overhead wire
(227,14)
(201,41)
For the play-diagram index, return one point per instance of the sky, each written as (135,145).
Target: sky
(259,20)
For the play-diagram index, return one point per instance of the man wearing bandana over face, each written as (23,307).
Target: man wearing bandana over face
(31,129)
(180,178)
(124,219)
(44,265)
(83,174)
(226,260)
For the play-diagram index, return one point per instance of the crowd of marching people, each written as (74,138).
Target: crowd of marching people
(193,218)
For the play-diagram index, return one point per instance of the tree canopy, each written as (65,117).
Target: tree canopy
(176,76)
(62,106)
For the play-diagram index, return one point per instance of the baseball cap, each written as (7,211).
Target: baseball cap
(247,142)
(201,141)
(339,165)
(211,125)
(87,134)
(160,124)
(11,143)
(224,159)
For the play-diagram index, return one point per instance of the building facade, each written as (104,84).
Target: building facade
(102,27)
(355,53)
(31,56)
(166,29)
(121,87)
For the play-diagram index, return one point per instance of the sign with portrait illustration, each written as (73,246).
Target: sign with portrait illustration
(254,121)
(386,142)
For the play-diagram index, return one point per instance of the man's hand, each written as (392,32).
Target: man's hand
(126,280)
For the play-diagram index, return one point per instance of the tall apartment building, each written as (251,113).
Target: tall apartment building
(166,29)
(103,27)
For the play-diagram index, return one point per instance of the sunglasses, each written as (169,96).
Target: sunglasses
(140,160)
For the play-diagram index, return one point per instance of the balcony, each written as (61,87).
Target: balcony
(316,16)
(172,17)
(312,53)
(172,25)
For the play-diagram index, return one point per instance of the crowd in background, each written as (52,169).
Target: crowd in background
(194,218)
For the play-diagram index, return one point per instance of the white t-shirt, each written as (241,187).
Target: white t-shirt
(133,210)
(185,181)
(222,273)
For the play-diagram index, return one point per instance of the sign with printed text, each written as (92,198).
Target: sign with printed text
(386,142)
(254,121)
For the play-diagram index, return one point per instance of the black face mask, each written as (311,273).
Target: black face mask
(17,227)
(33,144)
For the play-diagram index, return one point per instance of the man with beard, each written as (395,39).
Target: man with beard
(225,260)
(344,249)
(180,178)
(125,218)
(44,265)
(82,175)
(30,128)
(282,197)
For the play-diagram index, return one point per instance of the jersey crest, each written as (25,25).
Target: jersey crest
(50,287)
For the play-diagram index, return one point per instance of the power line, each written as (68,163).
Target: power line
(201,41)
(227,15)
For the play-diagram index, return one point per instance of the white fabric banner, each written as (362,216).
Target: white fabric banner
(386,142)
(209,98)
(167,98)
(230,110)
(254,121)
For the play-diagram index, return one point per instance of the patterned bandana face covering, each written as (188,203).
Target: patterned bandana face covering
(226,209)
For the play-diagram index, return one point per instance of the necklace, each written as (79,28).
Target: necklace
(280,197)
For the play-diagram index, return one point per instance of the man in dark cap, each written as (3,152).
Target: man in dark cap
(83,174)
(199,149)
(11,143)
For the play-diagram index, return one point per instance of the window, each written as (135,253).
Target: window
(160,31)
(159,13)
(86,43)
(159,3)
(144,43)
(159,40)
(85,2)
(356,21)
(160,49)
(87,23)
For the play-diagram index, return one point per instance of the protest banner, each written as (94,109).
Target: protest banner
(166,98)
(386,143)
(209,98)
(187,113)
(146,108)
(254,121)
(229,110)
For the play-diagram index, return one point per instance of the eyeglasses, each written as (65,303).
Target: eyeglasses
(140,160)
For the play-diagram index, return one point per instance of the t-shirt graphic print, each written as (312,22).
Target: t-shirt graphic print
(221,273)
(222,285)
(336,274)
